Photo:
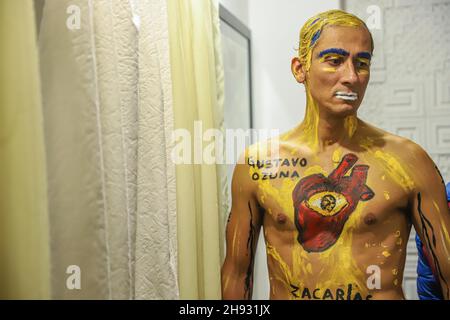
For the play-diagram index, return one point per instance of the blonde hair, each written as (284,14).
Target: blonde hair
(311,30)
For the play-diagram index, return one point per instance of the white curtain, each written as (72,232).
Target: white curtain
(107,101)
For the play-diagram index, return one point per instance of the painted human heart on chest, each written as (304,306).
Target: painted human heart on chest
(322,204)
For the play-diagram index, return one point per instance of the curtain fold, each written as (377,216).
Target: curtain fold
(112,208)
(156,268)
(24,253)
(197,96)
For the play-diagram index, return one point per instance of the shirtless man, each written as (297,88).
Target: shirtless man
(338,200)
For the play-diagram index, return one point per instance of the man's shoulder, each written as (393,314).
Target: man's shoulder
(410,154)
(392,143)
(401,144)
(405,148)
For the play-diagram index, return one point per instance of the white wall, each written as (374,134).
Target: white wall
(238,8)
(401,100)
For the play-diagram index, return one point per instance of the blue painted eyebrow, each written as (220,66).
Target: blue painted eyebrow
(364,55)
(342,52)
(315,37)
(314,21)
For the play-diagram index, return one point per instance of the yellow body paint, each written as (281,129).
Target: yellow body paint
(350,124)
(436,206)
(262,199)
(363,72)
(395,170)
(311,123)
(329,69)
(391,165)
(227,280)
(286,274)
(445,239)
(344,271)
(327,57)
(364,61)
(235,250)
(367,143)
(337,156)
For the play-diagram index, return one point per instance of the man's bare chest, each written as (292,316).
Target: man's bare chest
(317,197)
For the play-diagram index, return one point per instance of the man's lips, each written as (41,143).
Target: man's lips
(348,96)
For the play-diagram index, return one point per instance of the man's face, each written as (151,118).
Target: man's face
(340,69)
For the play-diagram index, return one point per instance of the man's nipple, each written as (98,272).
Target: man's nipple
(370,219)
(281,218)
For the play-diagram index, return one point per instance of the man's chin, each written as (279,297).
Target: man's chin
(345,108)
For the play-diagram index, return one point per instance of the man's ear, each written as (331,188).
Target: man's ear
(298,70)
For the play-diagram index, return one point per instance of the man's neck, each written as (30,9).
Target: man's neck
(332,131)
(325,131)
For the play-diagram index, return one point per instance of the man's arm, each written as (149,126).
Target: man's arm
(244,224)
(431,215)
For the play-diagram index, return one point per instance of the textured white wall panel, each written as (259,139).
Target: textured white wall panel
(409,91)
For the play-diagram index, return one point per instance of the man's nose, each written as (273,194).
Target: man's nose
(350,76)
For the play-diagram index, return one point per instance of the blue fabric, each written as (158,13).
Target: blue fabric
(427,286)
(448,192)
